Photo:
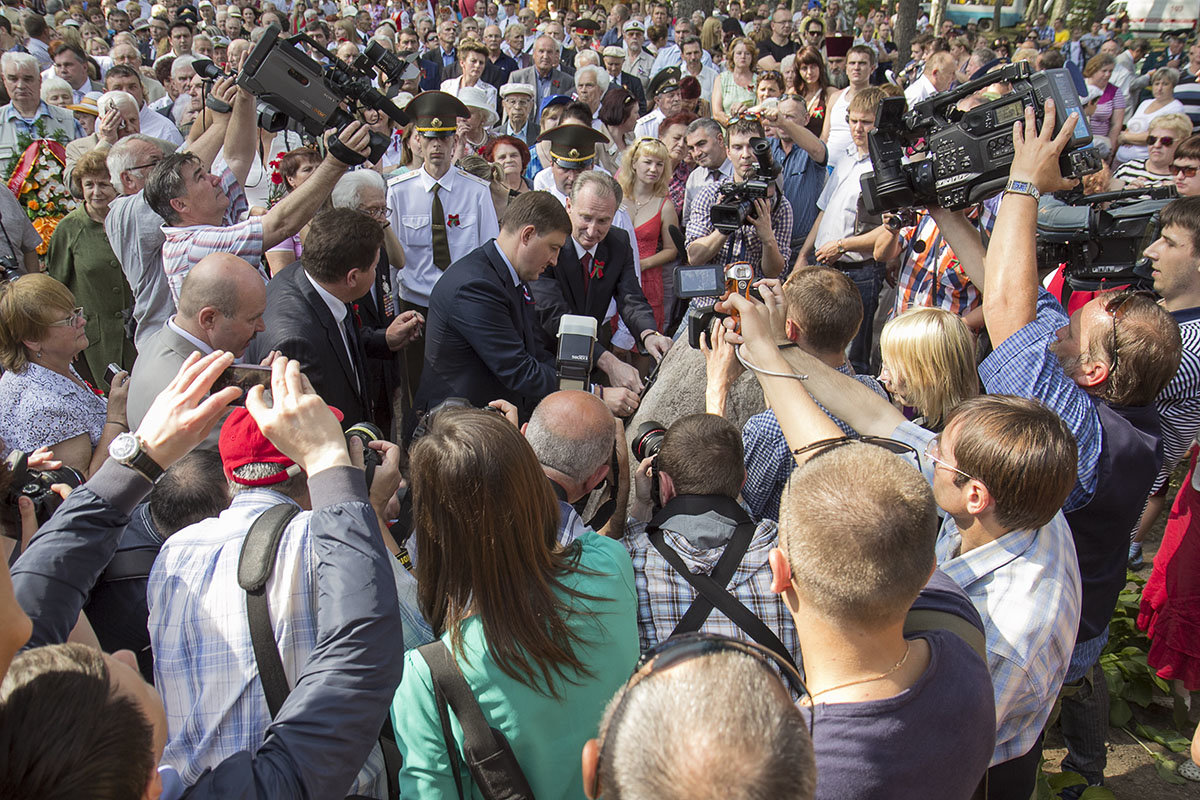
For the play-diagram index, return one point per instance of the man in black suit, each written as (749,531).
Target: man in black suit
(594,268)
(311,306)
(614,65)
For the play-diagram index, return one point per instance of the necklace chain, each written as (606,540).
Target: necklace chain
(880,676)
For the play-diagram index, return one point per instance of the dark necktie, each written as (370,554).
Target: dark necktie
(441,242)
(351,330)
(585,264)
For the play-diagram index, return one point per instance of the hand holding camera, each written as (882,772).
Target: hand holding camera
(298,422)
(1036,153)
(185,413)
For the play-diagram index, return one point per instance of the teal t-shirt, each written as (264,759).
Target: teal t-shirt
(545,733)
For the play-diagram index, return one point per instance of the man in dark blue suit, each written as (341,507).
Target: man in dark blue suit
(482,341)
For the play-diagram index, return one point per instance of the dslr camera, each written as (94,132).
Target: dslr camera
(737,199)
(1102,247)
(292,86)
(35,484)
(710,280)
(967,153)
(9,271)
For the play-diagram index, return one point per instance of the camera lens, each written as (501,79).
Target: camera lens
(647,440)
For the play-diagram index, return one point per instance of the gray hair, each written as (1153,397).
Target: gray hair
(122,156)
(19,62)
(1169,74)
(55,84)
(604,184)
(347,193)
(726,708)
(603,79)
(586,58)
(708,124)
(575,453)
(180,64)
(295,486)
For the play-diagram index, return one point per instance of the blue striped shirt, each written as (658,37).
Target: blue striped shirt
(1023,365)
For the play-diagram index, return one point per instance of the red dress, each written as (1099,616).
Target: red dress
(1170,611)
(649,234)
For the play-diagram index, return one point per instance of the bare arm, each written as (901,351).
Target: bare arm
(241,136)
(705,249)
(208,144)
(718,108)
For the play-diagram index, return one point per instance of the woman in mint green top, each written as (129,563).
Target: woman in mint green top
(544,634)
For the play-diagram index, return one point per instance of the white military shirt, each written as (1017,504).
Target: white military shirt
(470,223)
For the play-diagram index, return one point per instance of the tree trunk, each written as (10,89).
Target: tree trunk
(684,8)
(906,28)
(937,14)
(996,17)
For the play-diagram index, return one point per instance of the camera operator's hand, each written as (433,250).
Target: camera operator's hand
(226,90)
(299,422)
(183,414)
(642,480)
(762,218)
(1036,152)
(386,480)
(118,398)
(771,292)
(42,459)
(404,328)
(752,329)
(357,137)
(509,411)
(721,365)
(620,400)
(108,127)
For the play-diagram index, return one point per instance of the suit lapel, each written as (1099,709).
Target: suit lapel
(522,311)
(333,334)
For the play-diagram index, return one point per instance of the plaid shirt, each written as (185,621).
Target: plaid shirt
(204,665)
(1026,587)
(664,596)
(931,277)
(1023,365)
(747,244)
(185,247)
(769,461)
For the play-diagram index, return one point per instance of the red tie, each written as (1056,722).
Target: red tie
(586,264)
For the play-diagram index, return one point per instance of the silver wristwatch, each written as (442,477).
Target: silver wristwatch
(1022,187)
(127,449)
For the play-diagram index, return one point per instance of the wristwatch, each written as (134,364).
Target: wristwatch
(127,449)
(1022,187)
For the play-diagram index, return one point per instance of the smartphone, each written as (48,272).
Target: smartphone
(111,372)
(243,376)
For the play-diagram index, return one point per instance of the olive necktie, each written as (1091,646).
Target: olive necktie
(441,243)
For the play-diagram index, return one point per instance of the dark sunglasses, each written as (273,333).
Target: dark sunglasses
(823,446)
(1165,141)
(1187,172)
(1118,305)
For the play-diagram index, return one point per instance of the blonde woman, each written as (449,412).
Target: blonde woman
(644,177)
(928,363)
(735,87)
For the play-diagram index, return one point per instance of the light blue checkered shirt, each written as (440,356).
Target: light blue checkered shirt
(1026,588)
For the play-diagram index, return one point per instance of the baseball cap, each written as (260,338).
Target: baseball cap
(553,100)
(242,442)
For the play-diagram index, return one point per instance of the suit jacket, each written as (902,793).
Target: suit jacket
(300,326)
(431,74)
(635,88)
(566,84)
(561,289)
(158,361)
(482,340)
(375,315)
(566,60)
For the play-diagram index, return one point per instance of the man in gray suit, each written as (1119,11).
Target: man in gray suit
(221,307)
(544,75)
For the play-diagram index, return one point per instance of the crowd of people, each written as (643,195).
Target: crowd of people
(322,513)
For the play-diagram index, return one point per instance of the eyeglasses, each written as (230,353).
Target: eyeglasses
(813,31)
(933,451)
(823,446)
(1116,305)
(1187,172)
(376,211)
(1165,141)
(76,317)
(685,647)
(143,166)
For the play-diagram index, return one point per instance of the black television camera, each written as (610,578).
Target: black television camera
(737,199)
(289,84)
(1101,247)
(968,153)
(35,484)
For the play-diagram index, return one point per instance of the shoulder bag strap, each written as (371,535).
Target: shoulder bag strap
(700,609)
(491,761)
(930,619)
(255,565)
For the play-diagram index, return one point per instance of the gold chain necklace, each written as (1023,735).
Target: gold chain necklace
(907,647)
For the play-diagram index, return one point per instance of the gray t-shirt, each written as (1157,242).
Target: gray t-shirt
(135,232)
(18,230)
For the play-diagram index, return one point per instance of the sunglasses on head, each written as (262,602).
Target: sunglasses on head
(1165,141)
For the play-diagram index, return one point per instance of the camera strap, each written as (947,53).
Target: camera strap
(711,591)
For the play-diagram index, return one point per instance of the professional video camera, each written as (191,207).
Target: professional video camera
(289,84)
(968,153)
(1101,247)
(737,199)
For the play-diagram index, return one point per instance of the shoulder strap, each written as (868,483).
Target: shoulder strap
(489,757)
(700,609)
(129,565)
(930,619)
(255,565)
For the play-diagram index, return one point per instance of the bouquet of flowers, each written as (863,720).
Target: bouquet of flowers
(36,178)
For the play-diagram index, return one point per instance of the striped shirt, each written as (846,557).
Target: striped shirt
(930,275)
(1027,589)
(1136,170)
(1179,402)
(185,246)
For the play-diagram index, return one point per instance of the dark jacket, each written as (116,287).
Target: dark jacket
(634,85)
(561,289)
(481,338)
(376,313)
(300,326)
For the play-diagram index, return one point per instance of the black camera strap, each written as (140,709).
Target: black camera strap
(711,591)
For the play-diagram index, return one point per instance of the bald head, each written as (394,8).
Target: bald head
(572,433)
(222,302)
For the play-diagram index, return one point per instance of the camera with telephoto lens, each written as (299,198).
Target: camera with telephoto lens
(647,440)
(968,153)
(1101,247)
(291,85)
(35,484)
(360,435)
(737,199)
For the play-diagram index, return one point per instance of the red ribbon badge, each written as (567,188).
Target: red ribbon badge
(452,221)
(597,270)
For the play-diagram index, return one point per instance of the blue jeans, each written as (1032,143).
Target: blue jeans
(869,280)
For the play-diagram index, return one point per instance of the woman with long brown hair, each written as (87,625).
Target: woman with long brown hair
(812,83)
(543,633)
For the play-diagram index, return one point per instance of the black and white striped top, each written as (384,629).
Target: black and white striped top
(1179,402)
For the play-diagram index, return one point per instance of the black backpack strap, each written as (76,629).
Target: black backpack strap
(489,757)
(255,565)
(129,565)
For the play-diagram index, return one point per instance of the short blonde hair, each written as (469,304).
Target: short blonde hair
(27,307)
(645,147)
(931,355)
(1176,123)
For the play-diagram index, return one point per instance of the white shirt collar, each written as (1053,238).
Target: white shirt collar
(204,349)
(446,181)
(336,306)
(512,273)
(580,250)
